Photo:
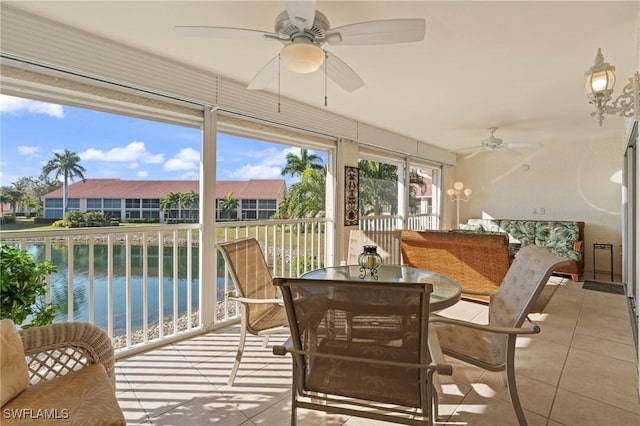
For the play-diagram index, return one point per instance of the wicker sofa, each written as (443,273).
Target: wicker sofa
(564,238)
(58,374)
(477,261)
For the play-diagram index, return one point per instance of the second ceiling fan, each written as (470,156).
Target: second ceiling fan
(493,144)
(304,30)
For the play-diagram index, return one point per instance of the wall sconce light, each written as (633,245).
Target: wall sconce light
(459,193)
(599,82)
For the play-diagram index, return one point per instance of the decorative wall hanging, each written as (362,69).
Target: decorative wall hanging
(351,185)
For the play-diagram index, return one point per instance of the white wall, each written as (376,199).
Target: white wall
(578,181)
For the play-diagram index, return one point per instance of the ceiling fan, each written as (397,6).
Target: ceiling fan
(304,30)
(493,144)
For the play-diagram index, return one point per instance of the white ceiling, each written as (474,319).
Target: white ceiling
(515,65)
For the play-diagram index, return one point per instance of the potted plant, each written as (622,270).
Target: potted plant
(23,288)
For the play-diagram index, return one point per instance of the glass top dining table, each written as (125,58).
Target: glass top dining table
(446,292)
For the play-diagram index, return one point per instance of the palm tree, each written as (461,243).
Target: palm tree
(305,198)
(189,200)
(65,165)
(169,201)
(4,199)
(297,165)
(15,196)
(229,204)
(378,186)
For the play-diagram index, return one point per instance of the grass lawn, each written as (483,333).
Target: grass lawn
(23,224)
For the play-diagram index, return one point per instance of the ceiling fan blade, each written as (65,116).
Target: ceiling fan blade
(387,31)
(473,154)
(342,74)
(525,145)
(509,151)
(467,148)
(265,75)
(224,32)
(301,13)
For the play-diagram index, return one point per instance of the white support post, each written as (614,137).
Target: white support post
(208,251)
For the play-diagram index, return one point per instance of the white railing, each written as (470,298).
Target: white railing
(141,283)
(378,223)
(291,247)
(423,222)
(135,282)
(419,222)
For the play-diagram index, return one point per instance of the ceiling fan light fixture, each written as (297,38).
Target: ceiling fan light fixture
(302,57)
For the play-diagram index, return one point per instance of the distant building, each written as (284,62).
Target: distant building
(140,199)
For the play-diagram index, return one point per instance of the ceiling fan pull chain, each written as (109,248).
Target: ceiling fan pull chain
(279,63)
(326,57)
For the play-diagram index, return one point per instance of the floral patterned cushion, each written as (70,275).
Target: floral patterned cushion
(558,237)
(469,227)
(520,231)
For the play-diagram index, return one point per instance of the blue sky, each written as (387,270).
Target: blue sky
(116,146)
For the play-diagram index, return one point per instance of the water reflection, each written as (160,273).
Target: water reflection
(81,280)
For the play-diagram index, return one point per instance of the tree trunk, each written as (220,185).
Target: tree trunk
(64,194)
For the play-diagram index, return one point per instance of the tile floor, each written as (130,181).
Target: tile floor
(580,370)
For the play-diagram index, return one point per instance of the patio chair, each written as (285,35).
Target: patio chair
(370,377)
(388,243)
(492,346)
(262,311)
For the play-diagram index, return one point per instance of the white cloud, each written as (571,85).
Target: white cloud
(186,159)
(28,150)
(269,164)
(257,171)
(142,174)
(17,106)
(133,165)
(134,152)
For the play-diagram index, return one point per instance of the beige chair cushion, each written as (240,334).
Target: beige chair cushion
(81,397)
(13,365)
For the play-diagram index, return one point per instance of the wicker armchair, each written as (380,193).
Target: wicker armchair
(71,377)
(54,350)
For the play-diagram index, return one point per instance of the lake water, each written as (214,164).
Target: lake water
(59,279)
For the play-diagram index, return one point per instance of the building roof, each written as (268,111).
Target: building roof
(259,189)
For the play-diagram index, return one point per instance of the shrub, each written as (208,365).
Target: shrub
(95,219)
(58,224)
(73,218)
(7,219)
(23,288)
